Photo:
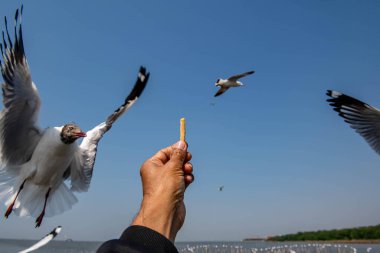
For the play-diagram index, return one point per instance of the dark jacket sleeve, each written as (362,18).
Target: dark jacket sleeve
(138,239)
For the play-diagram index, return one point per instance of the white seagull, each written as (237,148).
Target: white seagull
(362,117)
(232,81)
(35,163)
(45,240)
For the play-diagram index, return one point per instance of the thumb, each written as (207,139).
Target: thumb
(178,155)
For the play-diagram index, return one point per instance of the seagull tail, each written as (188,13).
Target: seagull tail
(9,177)
(31,199)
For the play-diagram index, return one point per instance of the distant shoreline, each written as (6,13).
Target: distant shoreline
(254,239)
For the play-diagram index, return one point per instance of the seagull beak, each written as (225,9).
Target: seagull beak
(80,134)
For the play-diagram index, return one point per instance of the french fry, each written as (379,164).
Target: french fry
(182,129)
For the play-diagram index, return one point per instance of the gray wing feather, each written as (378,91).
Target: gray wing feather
(236,77)
(82,167)
(18,131)
(362,117)
(221,91)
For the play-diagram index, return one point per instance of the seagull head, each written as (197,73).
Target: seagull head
(70,133)
(217,82)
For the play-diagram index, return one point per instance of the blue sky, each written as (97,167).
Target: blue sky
(287,161)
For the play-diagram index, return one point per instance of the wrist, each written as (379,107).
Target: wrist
(156,215)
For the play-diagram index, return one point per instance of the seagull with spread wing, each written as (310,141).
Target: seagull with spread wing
(232,81)
(365,119)
(45,240)
(35,163)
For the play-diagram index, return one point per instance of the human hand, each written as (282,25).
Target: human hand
(165,177)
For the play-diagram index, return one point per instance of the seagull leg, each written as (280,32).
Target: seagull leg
(39,219)
(10,207)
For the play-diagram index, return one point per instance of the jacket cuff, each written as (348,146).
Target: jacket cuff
(147,239)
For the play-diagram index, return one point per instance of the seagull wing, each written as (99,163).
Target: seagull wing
(82,167)
(236,77)
(221,91)
(140,84)
(362,117)
(43,241)
(18,132)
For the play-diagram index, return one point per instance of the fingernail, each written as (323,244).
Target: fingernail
(181,145)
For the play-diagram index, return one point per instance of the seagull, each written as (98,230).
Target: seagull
(45,240)
(232,81)
(221,188)
(362,117)
(35,162)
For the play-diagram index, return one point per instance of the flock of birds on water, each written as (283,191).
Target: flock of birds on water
(35,162)
(279,248)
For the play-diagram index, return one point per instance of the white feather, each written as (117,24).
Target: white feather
(44,240)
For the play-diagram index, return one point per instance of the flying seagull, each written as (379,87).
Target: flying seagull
(35,163)
(362,117)
(47,238)
(221,188)
(232,81)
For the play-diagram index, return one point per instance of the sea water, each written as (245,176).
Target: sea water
(13,246)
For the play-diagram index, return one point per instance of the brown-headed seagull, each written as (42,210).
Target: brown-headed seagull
(232,81)
(35,163)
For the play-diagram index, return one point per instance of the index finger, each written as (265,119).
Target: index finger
(163,156)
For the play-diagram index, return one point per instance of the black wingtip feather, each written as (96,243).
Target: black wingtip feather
(342,99)
(21,42)
(12,50)
(346,106)
(16,15)
(140,84)
(6,29)
(138,88)
(5,44)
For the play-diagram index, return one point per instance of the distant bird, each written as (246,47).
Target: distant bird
(34,163)
(232,81)
(221,188)
(362,117)
(45,240)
